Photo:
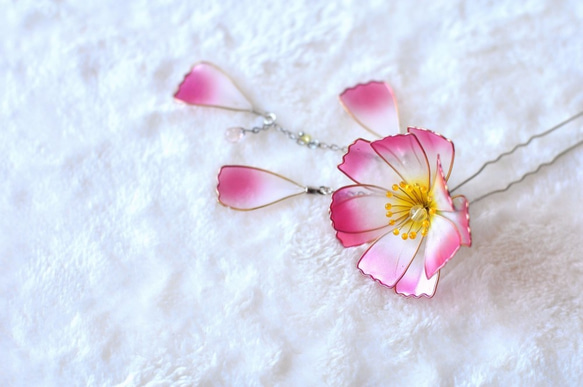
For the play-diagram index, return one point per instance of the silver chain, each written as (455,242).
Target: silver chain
(301,138)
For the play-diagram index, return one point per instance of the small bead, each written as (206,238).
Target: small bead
(432,211)
(392,222)
(389,194)
(425,223)
(404,236)
(396,231)
(403,184)
(424,232)
(389,214)
(388,206)
(305,138)
(395,187)
(234,134)
(412,235)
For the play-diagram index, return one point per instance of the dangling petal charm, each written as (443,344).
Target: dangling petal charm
(247,188)
(373,106)
(208,85)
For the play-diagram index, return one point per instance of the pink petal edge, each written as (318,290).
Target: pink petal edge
(208,85)
(373,106)
(247,188)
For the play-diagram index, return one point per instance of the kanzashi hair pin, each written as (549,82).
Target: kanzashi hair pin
(399,202)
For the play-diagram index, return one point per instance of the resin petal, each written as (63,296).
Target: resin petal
(388,258)
(415,282)
(443,241)
(460,217)
(247,188)
(208,85)
(373,106)
(358,208)
(435,145)
(350,239)
(439,191)
(363,165)
(406,156)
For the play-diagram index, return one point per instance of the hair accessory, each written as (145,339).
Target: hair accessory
(399,202)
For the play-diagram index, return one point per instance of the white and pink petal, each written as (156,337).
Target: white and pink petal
(443,241)
(247,188)
(208,85)
(404,154)
(358,209)
(435,145)
(373,106)
(351,239)
(460,217)
(388,258)
(439,191)
(415,282)
(364,166)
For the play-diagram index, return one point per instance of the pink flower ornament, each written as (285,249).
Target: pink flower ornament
(399,201)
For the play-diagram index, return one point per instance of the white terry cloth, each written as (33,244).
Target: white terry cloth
(118,267)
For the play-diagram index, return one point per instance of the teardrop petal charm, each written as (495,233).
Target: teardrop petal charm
(208,85)
(248,188)
(373,106)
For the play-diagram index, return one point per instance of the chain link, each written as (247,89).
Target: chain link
(301,138)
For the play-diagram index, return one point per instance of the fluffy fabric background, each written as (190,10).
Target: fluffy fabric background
(118,267)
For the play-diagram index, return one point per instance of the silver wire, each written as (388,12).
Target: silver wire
(558,156)
(549,131)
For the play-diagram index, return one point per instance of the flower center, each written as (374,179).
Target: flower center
(418,213)
(409,209)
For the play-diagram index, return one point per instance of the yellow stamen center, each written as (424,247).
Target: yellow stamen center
(411,209)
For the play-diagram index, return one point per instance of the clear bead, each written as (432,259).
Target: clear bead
(418,213)
(234,134)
